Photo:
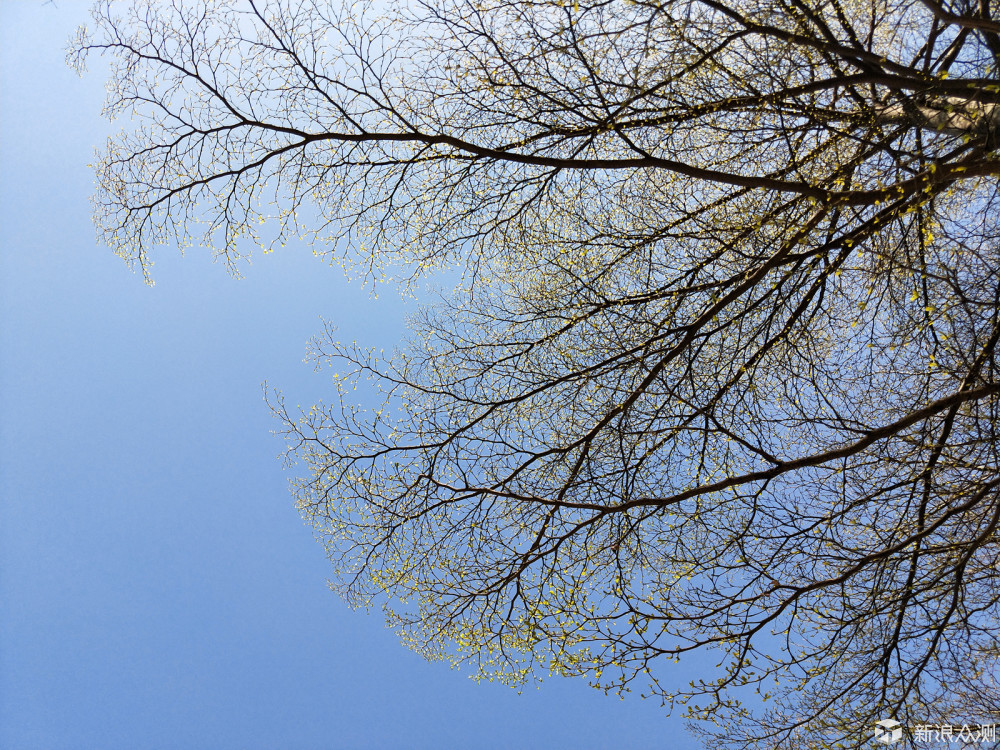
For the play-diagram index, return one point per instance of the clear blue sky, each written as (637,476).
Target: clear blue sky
(157,588)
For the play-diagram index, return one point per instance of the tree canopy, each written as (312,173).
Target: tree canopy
(721,370)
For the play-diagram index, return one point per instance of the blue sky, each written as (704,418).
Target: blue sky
(157,588)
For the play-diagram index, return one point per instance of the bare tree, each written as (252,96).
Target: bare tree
(721,372)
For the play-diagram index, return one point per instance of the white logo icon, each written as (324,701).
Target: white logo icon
(888,731)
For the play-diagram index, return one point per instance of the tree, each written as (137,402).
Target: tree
(721,371)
